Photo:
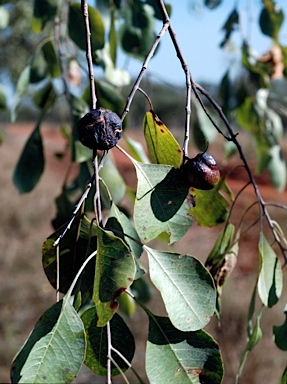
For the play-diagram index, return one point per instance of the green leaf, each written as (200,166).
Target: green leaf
(221,245)
(271,18)
(53,359)
(174,357)
(211,206)
(44,11)
(113,38)
(44,325)
(280,335)
(212,4)
(229,26)
(186,287)
(113,180)
(51,59)
(161,204)
(97,346)
(284,377)
(136,150)
(30,165)
(108,97)
(277,168)
(124,229)
(21,88)
(203,130)
(75,246)
(223,256)
(136,33)
(38,70)
(157,12)
(4,17)
(254,339)
(44,95)
(77,30)
(270,280)
(115,271)
(161,144)
(3,101)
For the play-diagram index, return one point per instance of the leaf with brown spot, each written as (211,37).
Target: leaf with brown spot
(162,146)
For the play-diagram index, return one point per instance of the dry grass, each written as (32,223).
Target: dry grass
(25,293)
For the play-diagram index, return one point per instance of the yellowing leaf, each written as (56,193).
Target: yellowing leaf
(161,144)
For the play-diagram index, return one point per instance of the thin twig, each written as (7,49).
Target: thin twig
(89,54)
(144,67)
(186,70)
(109,340)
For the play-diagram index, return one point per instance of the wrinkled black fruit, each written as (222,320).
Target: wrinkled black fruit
(100,129)
(201,171)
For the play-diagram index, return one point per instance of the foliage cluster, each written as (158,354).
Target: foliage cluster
(96,263)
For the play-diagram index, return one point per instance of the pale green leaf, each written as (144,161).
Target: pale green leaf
(58,356)
(270,280)
(277,168)
(186,287)
(136,150)
(174,357)
(161,204)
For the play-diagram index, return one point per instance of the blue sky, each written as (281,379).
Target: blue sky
(199,35)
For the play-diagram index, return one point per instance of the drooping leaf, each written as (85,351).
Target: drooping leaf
(203,130)
(211,206)
(44,11)
(136,150)
(161,144)
(125,230)
(173,356)
(223,256)
(97,344)
(127,305)
(271,18)
(211,4)
(253,340)
(38,70)
(108,97)
(3,101)
(277,168)
(157,12)
(284,377)
(113,38)
(270,280)
(51,358)
(43,326)
(51,58)
(77,30)
(229,26)
(186,287)
(115,272)
(44,95)
(31,163)
(280,334)
(136,33)
(78,242)
(113,180)
(161,204)
(21,88)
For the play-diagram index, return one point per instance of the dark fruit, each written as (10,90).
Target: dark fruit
(201,171)
(100,129)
